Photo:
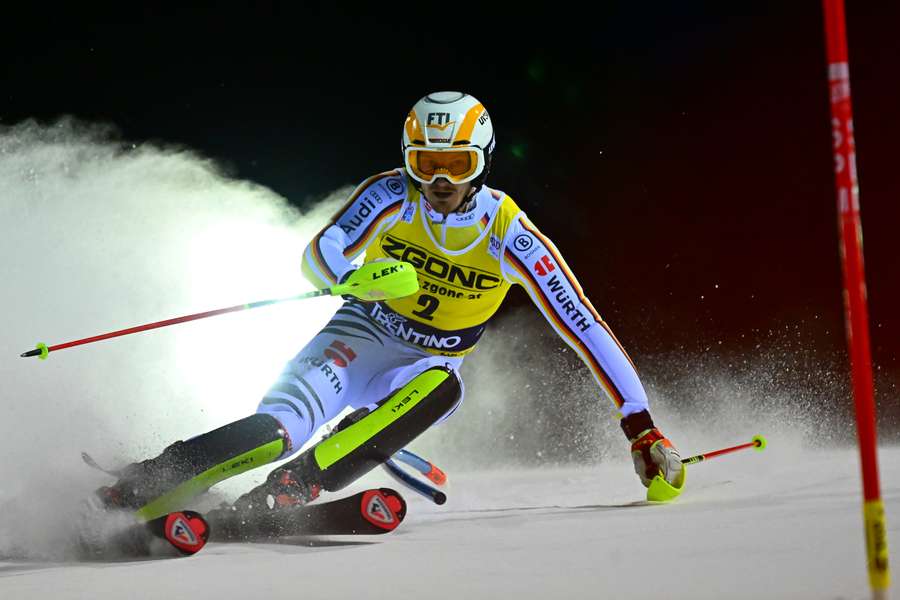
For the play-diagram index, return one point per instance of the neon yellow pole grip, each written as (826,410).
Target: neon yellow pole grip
(383,280)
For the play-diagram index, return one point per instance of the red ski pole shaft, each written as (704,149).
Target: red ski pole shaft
(371,281)
(759,442)
(43,350)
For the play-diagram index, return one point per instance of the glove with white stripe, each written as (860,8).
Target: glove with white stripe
(652,452)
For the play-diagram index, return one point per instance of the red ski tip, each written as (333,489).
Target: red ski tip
(187,531)
(383,508)
(394,504)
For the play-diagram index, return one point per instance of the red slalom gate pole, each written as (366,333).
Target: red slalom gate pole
(856,313)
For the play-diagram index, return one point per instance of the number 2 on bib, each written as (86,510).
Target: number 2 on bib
(430,304)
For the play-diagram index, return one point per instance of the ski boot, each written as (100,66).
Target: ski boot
(186,469)
(263,506)
(283,489)
(142,481)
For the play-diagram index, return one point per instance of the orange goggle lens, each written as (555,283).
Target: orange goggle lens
(457,164)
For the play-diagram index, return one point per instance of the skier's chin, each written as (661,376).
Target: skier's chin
(444,204)
(445,199)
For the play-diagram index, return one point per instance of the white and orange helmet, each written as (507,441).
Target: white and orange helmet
(448,134)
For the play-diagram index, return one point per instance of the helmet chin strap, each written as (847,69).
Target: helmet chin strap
(465,205)
(439,218)
(468,203)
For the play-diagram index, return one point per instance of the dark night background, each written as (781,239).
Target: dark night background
(679,157)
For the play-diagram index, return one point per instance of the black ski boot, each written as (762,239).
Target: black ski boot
(283,488)
(281,491)
(143,481)
(209,458)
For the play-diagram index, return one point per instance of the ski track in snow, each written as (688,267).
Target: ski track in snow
(775,525)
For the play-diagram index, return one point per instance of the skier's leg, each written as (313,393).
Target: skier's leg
(365,444)
(314,386)
(156,486)
(310,391)
(363,440)
(388,380)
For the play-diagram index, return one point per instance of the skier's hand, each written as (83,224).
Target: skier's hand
(652,452)
(344,279)
(381,279)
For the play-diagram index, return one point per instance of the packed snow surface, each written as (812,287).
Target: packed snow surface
(781,524)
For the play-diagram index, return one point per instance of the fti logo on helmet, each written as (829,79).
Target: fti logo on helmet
(439,121)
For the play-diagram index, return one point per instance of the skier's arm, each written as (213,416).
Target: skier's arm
(532,261)
(373,206)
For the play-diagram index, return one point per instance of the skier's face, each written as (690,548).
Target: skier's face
(445,197)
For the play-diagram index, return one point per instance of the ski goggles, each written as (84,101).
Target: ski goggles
(456,165)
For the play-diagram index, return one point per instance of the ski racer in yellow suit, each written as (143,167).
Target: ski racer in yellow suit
(396,361)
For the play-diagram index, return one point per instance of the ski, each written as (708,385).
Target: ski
(115,534)
(187,531)
(110,535)
(370,512)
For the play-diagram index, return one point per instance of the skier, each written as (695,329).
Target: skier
(396,361)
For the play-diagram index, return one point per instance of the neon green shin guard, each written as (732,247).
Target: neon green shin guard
(187,469)
(344,457)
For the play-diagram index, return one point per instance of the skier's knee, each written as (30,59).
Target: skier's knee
(304,397)
(295,428)
(369,441)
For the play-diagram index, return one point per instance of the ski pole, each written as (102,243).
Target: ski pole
(371,281)
(759,442)
(425,467)
(661,490)
(435,495)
